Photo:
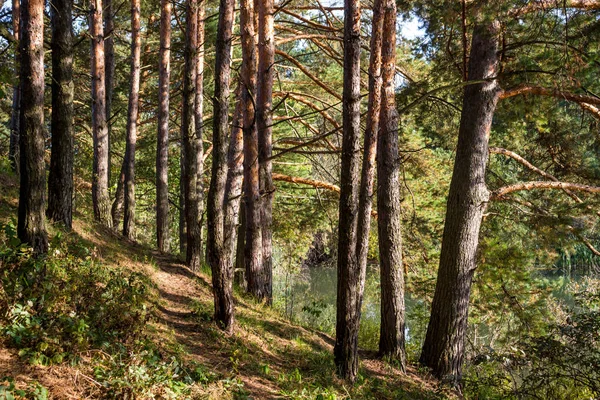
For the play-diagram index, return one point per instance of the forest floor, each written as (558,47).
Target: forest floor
(266,357)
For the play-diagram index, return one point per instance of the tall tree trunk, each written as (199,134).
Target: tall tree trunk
(32,194)
(162,147)
(365,203)
(443,349)
(132,117)
(60,179)
(198,117)
(13,150)
(182,224)
(188,136)
(347,317)
(253,245)
(391,338)
(100,168)
(109,62)
(264,121)
(215,248)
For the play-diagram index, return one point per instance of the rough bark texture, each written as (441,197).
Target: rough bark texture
(189,142)
(443,349)
(347,318)
(162,147)
(253,245)
(132,117)
(222,273)
(109,62)
(13,151)
(264,120)
(60,179)
(100,168)
(365,204)
(32,195)
(391,338)
(198,114)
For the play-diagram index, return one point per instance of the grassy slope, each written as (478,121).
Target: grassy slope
(266,357)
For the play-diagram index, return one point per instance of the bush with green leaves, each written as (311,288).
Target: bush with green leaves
(561,364)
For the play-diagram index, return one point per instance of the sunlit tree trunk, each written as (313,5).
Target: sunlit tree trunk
(198,116)
(132,117)
(162,147)
(31,227)
(60,179)
(189,142)
(369,149)
(347,317)
(109,61)
(443,349)
(264,120)
(100,168)
(253,245)
(217,253)
(13,151)
(391,338)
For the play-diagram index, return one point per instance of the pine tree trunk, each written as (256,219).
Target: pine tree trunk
(32,194)
(182,224)
(253,245)
(188,138)
(100,168)
(109,62)
(264,120)
(198,117)
(216,251)
(443,349)
(60,179)
(132,117)
(391,338)
(162,147)
(347,317)
(13,150)
(365,204)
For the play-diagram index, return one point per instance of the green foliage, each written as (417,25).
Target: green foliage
(33,390)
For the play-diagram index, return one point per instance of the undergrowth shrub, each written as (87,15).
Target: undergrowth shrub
(55,307)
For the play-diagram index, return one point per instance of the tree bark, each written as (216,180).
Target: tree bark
(264,121)
(188,139)
(198,117)
(60,179)
(365,205)
(443,349)
(222,273)
(391,338)
(31,226)
(100,168)
(347,317)
(13,150)
(109,62)
(253,245)
(162,147)
(132,117)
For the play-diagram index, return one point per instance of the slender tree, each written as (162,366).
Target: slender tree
(162,147)
(198,116)
(132,117)
(109,62)
(60,179)
(100,168)
(264,121)
(216,250)
(188,136)
(391,338)
(443,349)
(31,226)
(347,317)
(365,204)
(13,150)
(253,245)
